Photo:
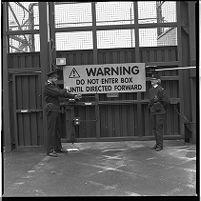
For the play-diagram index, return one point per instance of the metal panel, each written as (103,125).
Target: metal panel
(27,109)
(158,54)
(116,56)
(88,121)
(118,116)
(23,60)
(124,116)
(79,58)
(118,120)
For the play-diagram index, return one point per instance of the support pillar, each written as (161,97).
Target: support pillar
(192,45)
(137,60)
(44,55)
(95,61)
(5,94)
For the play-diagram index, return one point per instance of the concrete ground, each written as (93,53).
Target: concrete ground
(128,168)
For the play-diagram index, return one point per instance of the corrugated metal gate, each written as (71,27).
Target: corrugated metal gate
(126,116)
(27,109)
(102,117)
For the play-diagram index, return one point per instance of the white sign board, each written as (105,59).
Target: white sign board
(60,61)
(105,78)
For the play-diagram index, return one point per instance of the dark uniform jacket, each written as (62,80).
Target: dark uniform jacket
(52,94)
(158,100)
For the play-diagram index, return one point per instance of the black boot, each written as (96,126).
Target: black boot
(52,153)
(159,148)
(154,147)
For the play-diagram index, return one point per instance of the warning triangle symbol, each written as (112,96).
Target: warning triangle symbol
(74,74)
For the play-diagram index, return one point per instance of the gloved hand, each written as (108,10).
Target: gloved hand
(78,96)
(155,99)
(67,88)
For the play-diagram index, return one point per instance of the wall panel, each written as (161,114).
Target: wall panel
(23,60)
(118,115)
(27,110)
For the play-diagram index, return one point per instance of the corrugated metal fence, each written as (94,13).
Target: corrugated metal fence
(125,116)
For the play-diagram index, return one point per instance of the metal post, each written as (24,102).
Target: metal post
(132,45)
(44,54)
(191,19)
(31,27)
(95,61)
(6,110)
(178,11)
(137,59)
(191,24)
(52,36)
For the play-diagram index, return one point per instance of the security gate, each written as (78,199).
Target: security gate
(126,116)
(103,118)
(27,109)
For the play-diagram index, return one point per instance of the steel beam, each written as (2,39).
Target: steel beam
(5,91)
(137,60)
(44,55)
(95,61)
(52,50)
(17,21)
(181,95)
(192,45)
(112,27)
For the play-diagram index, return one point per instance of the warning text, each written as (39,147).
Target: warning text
(107,78)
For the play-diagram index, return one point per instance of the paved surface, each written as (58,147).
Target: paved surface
(104,168)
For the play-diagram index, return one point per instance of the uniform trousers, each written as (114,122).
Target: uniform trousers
(158,127)
(53,136)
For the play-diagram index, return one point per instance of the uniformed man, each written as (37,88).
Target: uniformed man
(52,93)
(158,106)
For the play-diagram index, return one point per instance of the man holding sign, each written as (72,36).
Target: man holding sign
(52,93)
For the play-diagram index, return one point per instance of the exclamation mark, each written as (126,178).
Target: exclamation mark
(73,71)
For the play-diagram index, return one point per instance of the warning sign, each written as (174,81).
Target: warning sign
(74,74)
(107,78)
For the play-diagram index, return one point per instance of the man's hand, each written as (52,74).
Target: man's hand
(67,88)
(155,99)
(78,96)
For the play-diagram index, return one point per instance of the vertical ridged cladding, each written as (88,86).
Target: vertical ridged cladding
(83,57)
(29,125)
(23,60)
(115,120)
(161,54)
